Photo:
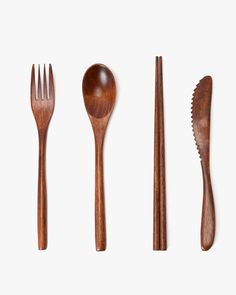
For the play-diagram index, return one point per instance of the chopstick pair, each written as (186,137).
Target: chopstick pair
(159,205)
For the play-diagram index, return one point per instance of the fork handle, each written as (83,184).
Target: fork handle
(42,192)
(100,222)
(208,211)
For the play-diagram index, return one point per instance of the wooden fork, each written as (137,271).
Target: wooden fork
(42,104)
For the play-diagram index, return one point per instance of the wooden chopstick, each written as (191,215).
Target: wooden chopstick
(159,214)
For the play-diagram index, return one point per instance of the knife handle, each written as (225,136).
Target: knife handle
(208,211)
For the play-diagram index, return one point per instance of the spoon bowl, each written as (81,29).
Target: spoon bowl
(99,91)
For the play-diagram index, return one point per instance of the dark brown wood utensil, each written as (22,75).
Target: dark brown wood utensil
(42,104)
(99,91)
(201,111)
(159,220)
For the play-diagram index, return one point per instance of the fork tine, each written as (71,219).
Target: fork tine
(39,84)
(33,88)
(51,83)
(45,91)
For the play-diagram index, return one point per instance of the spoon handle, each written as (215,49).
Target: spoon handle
(42,193)
(100,223)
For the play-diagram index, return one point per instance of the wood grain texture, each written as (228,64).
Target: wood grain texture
(42,104)
(201,111)
(208,211)
(99,91)
(159,214)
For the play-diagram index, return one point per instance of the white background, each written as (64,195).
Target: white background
(195,38)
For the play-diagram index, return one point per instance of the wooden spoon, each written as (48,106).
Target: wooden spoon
(99,91)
